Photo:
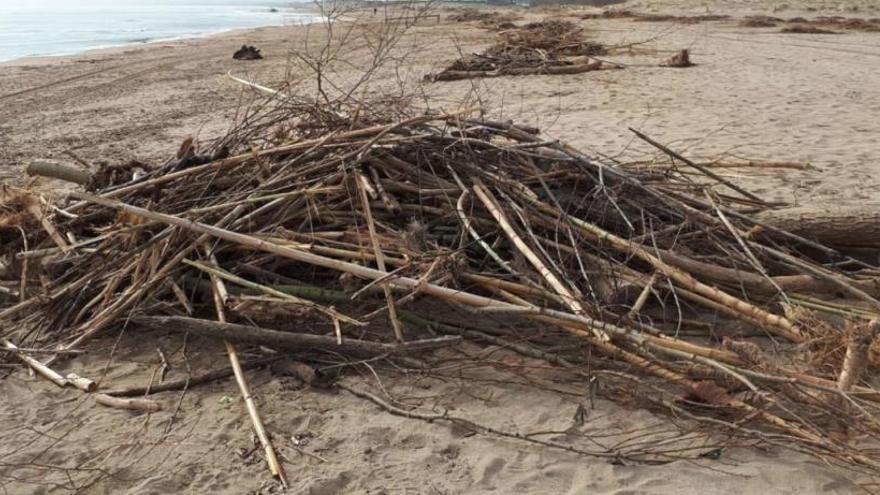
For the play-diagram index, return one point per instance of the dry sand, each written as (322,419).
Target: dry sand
(756,94)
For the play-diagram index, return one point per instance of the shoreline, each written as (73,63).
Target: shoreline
(286,15)
(116,48)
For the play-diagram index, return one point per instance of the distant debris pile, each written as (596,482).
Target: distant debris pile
(247,52)
(546,47)
(680,59)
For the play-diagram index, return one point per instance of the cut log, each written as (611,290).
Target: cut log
(60,171)
(835,226)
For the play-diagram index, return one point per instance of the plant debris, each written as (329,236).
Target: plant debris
(680,59)
(247,52)
(546,47)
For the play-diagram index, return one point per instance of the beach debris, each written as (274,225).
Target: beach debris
(484,16)
(817,25)
(857,354)
(642,17)
(387,234)
(139,405)
(760,21)
(544,47)
(835,225)
(680,59)
(247,52)
(806,29)
(82,383)
(60,171)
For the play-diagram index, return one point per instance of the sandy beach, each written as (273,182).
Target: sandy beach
(756,94)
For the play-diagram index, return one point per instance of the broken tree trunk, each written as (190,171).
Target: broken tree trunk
(838,226)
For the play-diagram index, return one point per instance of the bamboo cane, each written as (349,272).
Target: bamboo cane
(220,296)
(380,257)
(41,369)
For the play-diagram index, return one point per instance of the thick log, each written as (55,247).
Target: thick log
(836,226)
(286,340)
(750,281)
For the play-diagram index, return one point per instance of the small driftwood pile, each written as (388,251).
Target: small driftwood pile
(485,17)
(336,240)
(816,25)
(546,47)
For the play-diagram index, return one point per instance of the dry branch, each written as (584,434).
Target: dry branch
(140,405)
(288,340)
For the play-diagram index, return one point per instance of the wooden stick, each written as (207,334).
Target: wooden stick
(81,383)
(220,296)
(391,204)
(491,204)
(214,271)
(697,166)
(643,296)
(380,256)
(38,213)
(856,358)
(143,405)
(188,382)
(41,369)
(287,340)
(32,350)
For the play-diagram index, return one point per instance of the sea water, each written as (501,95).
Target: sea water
(60,27)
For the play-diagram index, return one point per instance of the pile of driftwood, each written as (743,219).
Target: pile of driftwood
(545,47)
(336,240)
(485,17)
(818,25)
(821,25)
(642,17)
